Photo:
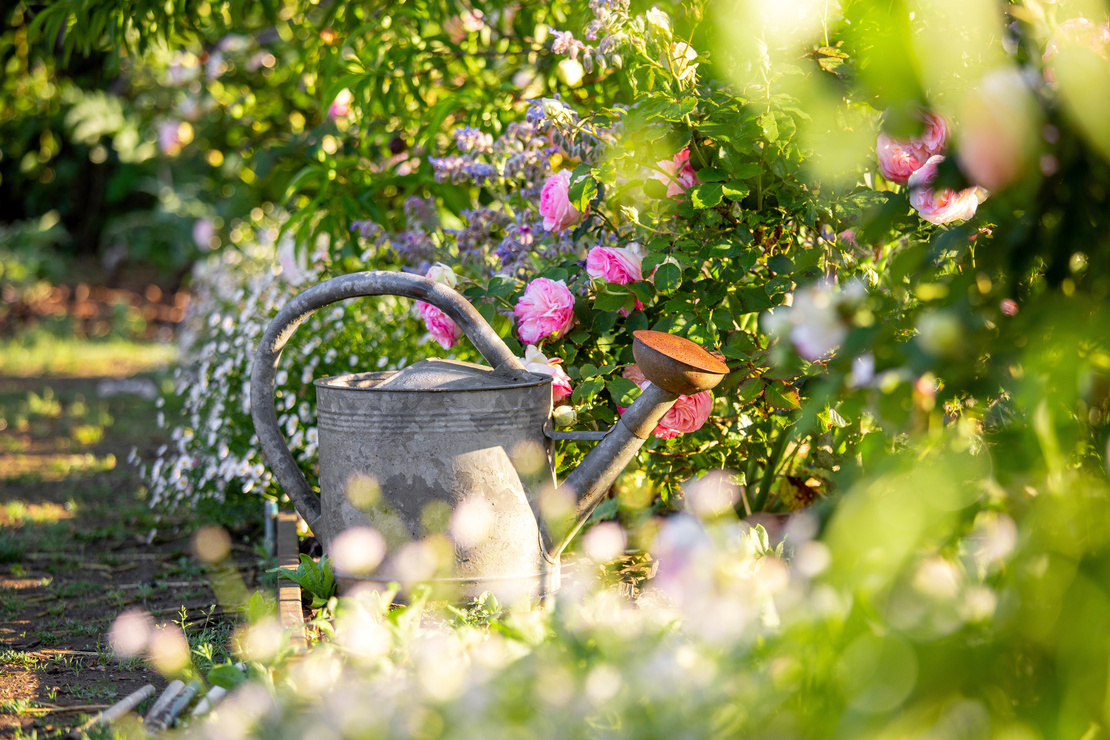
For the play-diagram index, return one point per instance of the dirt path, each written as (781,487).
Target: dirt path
(78,545)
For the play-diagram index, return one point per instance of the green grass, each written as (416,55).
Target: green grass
(38,353)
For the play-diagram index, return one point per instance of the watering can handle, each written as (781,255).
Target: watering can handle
(355,285)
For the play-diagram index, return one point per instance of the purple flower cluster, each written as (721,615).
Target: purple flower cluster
(504,236)
(611,26)
(520,155)
(415,245)
(472,140)
(421,213)
(481,234)
(566,44)
(367,229)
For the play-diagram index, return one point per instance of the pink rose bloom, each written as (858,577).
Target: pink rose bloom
(555,207)
(537,362)
(896,160)
(545,310)
(1078,32)
(688,414)
(444,330)
(635,374)
(900,158)
(677,174)
(998,130)
(941,206)
(616,264)
(933,139)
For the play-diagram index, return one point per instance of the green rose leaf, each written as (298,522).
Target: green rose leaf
(642,290)
(668,277)
(750,389)
(655,189)
(587,389)
(745,170)
(706,195)
(709,174)
(781,264)
(623,391)
(783,397)
(770,126)
(735,190)
(610,300)
(583,188)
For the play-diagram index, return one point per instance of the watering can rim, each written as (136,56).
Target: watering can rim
(503,384)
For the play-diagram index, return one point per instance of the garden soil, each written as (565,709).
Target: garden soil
(79,545)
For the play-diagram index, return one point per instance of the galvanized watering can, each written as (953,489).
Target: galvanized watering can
(458,439)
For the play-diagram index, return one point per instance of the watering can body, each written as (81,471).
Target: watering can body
(453,454)
(441,448)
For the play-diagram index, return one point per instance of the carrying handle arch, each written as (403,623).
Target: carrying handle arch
(356,285)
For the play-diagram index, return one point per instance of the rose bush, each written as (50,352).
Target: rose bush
(849,307)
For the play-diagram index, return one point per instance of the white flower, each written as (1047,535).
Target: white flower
(294,267)
(813,322)
(659,21)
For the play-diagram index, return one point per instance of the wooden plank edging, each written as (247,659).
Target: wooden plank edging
(289,593)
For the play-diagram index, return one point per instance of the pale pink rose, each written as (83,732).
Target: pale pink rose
(545,310)
(900,158)
(999,127)
(635,374)
(688,414)
(616,264)
(933,139)
(555,207)
(537,362)
(1078,32)
(677,174)
(945,205)
(443,329)
(896,160)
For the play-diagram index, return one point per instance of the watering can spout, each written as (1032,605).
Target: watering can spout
(674,366)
